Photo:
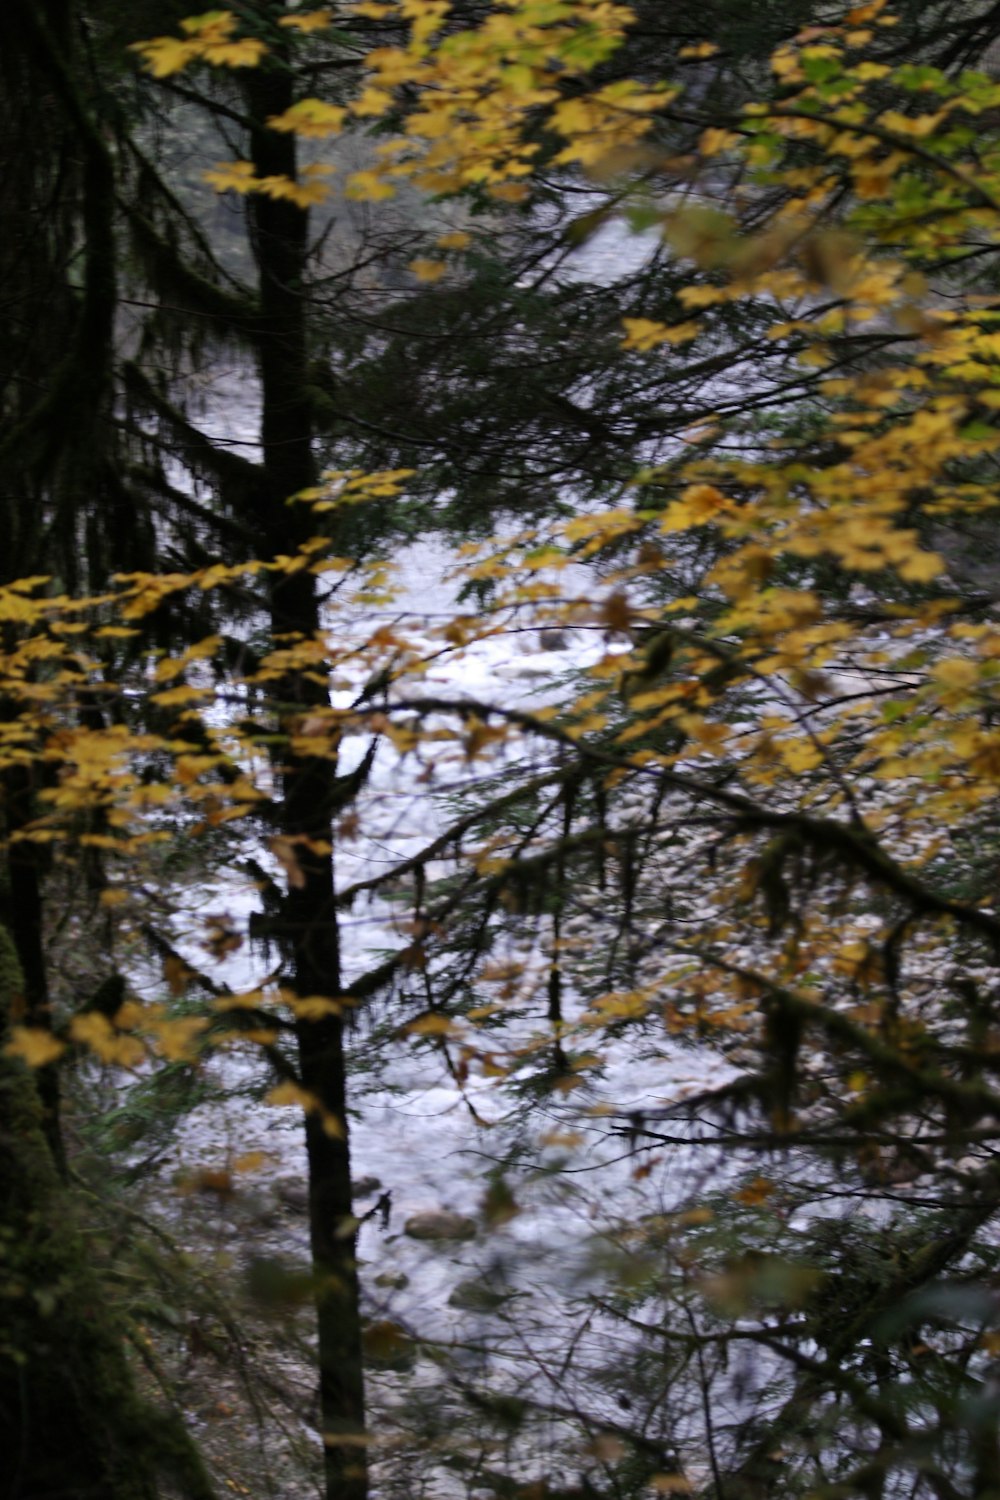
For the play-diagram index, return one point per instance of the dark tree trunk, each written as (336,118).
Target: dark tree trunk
(57,270)
(280,232)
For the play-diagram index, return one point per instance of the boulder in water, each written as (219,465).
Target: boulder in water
(439,1224)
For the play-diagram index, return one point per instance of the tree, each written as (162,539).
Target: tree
(725,739)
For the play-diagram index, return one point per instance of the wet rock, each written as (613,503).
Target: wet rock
(276,1284)
(363,1187)
(476,1296)
(293,1194)
(439,1224)
(387,1346)
(396,1280)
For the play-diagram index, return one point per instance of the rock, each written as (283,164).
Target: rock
(387,1346)
(439,1224)
(363,1187)
(293,1194)
(276,1284)
(476,1296)
(552,639)
(396,1280)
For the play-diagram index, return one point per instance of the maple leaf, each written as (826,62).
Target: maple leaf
(456,239)
(428,270)
(175,1038)
(310,117)
(34,1046)
(244,53)
(232,176)
(165,55)
(307,20)
(644,333)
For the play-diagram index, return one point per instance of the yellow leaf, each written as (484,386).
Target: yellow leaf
(920,567)
(508,192)
(696,1216)
(310,117)
(231,176)
(755,1192)
(215,25)
(428,270)
(175,1038)
(714,140)
(456,240)
(129,1015)
(252,1161)
(368,187)
(698,505)
(308,20)
(431,1025)
(165,55)
(800,755)
(34,1046)
(955,672)
(643,333)
(910,125)
(176,696)
(96,1032)
(312,1007)
(245,53)
(291,1093)
(303,191)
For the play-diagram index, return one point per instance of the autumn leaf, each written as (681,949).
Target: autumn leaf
(307,20)
(233,176)
(432,1024)
(456,239)
(175,1038)
(95,1032)
(312,118)
(368,187)
(428,270)
(252,1161)
(643,333)
(289,1093)
(177,973)
(34,1046)
(286,852)
(163,56)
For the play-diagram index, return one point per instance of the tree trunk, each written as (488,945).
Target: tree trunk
(281,237)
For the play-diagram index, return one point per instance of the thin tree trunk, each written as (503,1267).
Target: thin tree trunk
(281,238)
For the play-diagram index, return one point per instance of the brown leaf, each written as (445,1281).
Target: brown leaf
(284,850)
